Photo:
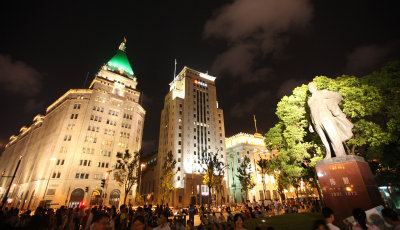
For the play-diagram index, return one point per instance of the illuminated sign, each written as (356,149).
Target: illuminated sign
(197,82)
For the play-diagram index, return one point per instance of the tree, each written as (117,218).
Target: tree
(214,169)
(372,103)
(126,170)
(262,169)
(166,179)
(218,186)
(291,138)
(244,176)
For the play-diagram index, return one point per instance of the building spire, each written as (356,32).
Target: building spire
(120,63)
(122,47)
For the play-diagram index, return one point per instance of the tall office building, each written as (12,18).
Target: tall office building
(69,151)
(191,125)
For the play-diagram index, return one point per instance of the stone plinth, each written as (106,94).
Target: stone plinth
(347,183)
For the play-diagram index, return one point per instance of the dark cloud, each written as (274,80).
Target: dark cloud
(247,106)
(149,146)
(147,100)
(288,86)
(19,78)
(254,29)
(364,59)
(34,106)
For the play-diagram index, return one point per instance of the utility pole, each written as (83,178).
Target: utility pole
(140,178)
(11,182)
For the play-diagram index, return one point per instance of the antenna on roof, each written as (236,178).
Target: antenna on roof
(255,122)
(175,69)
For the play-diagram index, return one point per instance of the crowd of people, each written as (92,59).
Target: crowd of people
(162,217)
(390,216)
(110,218)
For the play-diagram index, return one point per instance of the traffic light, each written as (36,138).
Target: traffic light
(86,189)
(103,183)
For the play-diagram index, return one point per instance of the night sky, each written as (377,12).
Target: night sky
(259,50)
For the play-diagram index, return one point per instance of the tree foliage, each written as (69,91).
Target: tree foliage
(371,103)
(166,180)
(263,165)
(244,176)
(126,170)
(215,170)
(290,136)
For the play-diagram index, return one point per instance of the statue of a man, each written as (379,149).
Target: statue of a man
(329,121)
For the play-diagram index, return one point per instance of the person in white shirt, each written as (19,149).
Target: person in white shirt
(329,218)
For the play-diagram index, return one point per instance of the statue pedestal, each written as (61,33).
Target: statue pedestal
(347,183)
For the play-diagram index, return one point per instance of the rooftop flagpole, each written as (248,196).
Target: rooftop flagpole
(255,122)
(175,69)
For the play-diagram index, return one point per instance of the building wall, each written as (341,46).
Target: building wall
(148,181)
(253,147)
(82,126)
(191,125)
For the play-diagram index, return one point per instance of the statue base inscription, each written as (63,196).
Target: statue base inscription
(347,183)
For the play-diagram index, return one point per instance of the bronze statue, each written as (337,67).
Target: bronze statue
(329,121)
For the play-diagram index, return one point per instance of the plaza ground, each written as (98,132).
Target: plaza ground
(285,221)
(298,221)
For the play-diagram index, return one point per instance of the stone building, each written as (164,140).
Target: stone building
(252,146)
(148,181)
(191,126)
(67,152)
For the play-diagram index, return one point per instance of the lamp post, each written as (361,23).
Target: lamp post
(233,181)
(48,180)
(140,176)
(107,177)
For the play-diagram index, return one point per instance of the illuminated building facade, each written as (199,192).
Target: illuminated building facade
(69,151)
(191,125)
(252,146)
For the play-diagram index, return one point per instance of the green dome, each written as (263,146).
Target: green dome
(120,62)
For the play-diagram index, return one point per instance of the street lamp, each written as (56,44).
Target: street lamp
(48,180)
(106,179)
(140,176)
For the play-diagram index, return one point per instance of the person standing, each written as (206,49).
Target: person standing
(361,217)
(221,218)
(164,223)
(329,218)
(101,221)
(238,221)
(192,211)
(391,217)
